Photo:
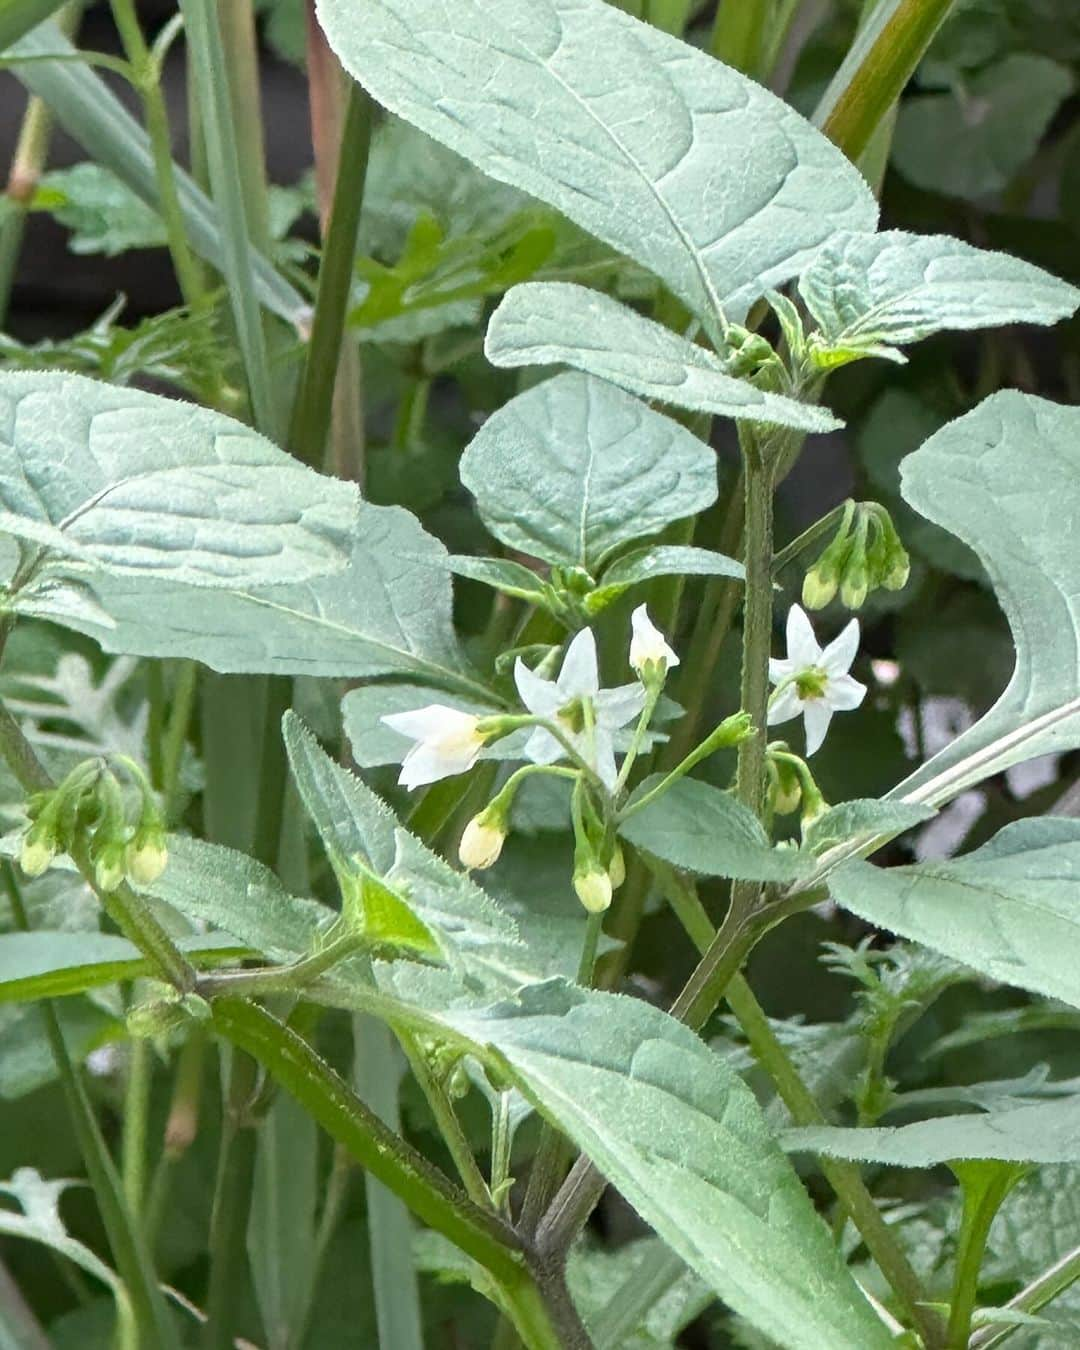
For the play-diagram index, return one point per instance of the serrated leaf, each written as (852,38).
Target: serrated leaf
(555,323)
(1007,910)
(971,141)
(661,560)
(863,818)
(388,613)
(575,468)
(690,168)
(897,288)
(699,828)
(102,213)
(41,1221)
(45,964)
(1044,1132)
(136,483)
(681,1136)
(1005,479)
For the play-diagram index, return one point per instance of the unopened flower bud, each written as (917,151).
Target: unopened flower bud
(594,888)
(109,868)
(650,656)
(482,840)
(819,587)
(37,852)
(145,857)
(616,868)
(787,789)
(897,576)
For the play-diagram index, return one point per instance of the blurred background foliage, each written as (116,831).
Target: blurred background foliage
(986,146)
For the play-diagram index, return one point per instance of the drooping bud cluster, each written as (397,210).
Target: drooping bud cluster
(866,553)
(123,832)
(792,786)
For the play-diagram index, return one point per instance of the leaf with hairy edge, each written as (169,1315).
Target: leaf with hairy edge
(53,964)
(698,827)
(685,165)
(1008,910)
(681,1136)
(1005,479)
(611,471)
(1043,1132)
(863,818)
(388,613)
(471,930)
(555,323)
(893,288)
(136,483)
(661,560)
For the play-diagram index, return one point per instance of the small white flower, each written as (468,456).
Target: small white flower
(814,680)
(647,645)
(447,743)
(563,701)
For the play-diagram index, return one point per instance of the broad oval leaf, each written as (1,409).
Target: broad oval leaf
(1005,479)
(132,482)
(689,167)
(574,468)
(1042,1132)
(894,288)
(556,323)
(676,1130)
(388,613)
(1008,910)
(701,829)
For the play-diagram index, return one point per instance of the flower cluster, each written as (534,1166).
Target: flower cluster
(865,554)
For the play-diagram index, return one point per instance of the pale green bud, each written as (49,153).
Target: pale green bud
(616,868)
(145,858)
(109,869)
(594,888)
(482,840)
(787,789)
(819,587)
(37,852)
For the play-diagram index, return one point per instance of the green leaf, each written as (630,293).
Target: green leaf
(136,483)
(41,1221)
(388,613)
(661,560)
(473,934)
(680,1135)
(1005,479)
(46,964)
(554,323)
(692,169)
(971,142)
(1044,1132)
(863,818)
(701,829)
(102,213)
(512,578)
(895,288)
(575,468)
(1008,910)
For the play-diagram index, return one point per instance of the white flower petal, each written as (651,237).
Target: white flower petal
(837,657)
(543,748)
(427,763)
(603,761)
(423,724)
(802,646)
(844,693)
(785,706)
(817,715)
(580,675)
(779,670)
(616,707)
(648,643)
(543,698)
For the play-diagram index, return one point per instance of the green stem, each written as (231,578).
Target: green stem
(236,19)
(985,1186)
(881,61)
(594,926)
(479,1233)
(313,409)
(738,34)
(232,1204)
(136,1108)
(273,772)
(147,74)
(31,151)
(652,1277)
(152,1319)
(176,732)
(1041,1291)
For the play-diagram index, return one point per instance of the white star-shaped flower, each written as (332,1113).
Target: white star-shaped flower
(563,701)
(447,742)
(813,681)
(648,646)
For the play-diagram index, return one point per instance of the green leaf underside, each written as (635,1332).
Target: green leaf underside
(52,964)
(897,288)
(862,818)
(665,560)
(680,1135)
(699,828)
(612,470)
(555,323)
(137,483)
(1005,479)
(1043,1132)
(1008,910)
(388,613)
(502,574)
(689,167)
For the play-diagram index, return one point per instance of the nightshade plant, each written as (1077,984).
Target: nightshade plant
(336,868)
